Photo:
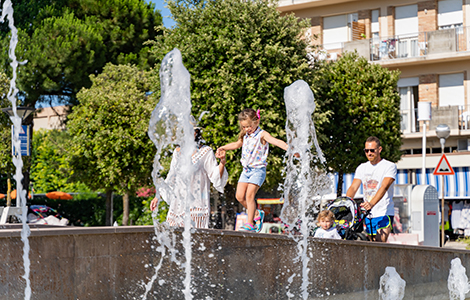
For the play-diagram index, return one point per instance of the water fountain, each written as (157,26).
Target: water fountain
(457,283)
(304,185)
(170,125)
(142,262)
(7,12)
(392,286)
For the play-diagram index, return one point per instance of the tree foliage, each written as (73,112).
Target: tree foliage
(6,163)
(65,41)
(109,149)
(50,170)
(364,101)
(240,54)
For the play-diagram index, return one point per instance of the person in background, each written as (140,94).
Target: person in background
(325,220)
(377,177)
(207,171)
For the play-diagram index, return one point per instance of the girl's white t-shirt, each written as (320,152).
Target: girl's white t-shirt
(331,233)
(371,177)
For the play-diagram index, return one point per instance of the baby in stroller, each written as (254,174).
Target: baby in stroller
(326,219)
(349,220)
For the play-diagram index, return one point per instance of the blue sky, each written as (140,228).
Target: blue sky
(160,5)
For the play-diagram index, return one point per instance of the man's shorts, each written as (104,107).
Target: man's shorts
(253,175)
(375,224)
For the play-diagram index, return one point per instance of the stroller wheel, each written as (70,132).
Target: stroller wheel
(362,236)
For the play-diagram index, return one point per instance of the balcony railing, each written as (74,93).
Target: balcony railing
(404,46)
(456,117)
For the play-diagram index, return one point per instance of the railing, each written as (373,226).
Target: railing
(464,117)
(405,46)
(456,117)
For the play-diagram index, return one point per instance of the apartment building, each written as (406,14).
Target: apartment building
(429,42)
(51,117)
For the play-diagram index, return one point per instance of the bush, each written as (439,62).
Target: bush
(90,209)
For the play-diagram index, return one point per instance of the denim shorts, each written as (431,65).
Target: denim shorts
(378,223)
(253,175)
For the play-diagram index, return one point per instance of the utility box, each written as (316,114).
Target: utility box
(425,214)
(402,203)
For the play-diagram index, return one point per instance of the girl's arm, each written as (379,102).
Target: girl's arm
(273,141)
(232,146)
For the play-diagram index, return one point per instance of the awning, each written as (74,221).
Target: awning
(270,200)
(455,186)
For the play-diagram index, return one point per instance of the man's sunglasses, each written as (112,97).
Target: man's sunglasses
(369,150)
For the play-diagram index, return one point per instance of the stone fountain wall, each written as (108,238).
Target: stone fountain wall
(117,263)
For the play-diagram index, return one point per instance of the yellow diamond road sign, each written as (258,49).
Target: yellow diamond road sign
(443,167)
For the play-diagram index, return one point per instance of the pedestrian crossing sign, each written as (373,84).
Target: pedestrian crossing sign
(443,167)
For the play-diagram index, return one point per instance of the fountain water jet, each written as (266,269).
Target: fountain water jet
(7,12)
(304,185)
(392,286)
(457,283)
(170,125)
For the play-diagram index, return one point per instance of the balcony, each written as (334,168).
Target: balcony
(438,43)
(456,117)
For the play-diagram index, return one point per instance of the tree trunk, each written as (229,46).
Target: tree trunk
(125,208)
(339,189)
(109,208)
(8,192)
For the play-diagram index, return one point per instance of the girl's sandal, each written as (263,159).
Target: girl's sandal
(247,227)
(259,220)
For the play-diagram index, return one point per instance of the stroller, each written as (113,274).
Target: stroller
(42,214)
(349,220)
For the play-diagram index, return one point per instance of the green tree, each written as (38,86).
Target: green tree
(6,164)
(50,170)
(109,149)
(66,41)
(240,54)
(364,101)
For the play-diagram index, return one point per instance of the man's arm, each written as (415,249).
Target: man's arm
(353,188)
(386,183)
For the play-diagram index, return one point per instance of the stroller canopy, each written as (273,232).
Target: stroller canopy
(344,209)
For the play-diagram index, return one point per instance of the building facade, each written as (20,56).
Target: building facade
(429,42)
(51,117)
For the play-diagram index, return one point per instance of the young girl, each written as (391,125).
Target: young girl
(326,219)
(255,147)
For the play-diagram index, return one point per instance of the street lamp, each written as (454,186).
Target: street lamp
(23,113)
(424,114)
(442,132)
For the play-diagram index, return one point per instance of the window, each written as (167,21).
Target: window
(409,97)
(337,30)
(450,14)
(451,90)
(406,30)
(374,26)
(406,20)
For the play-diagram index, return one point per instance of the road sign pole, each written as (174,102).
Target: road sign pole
(442,211)
(443,168)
